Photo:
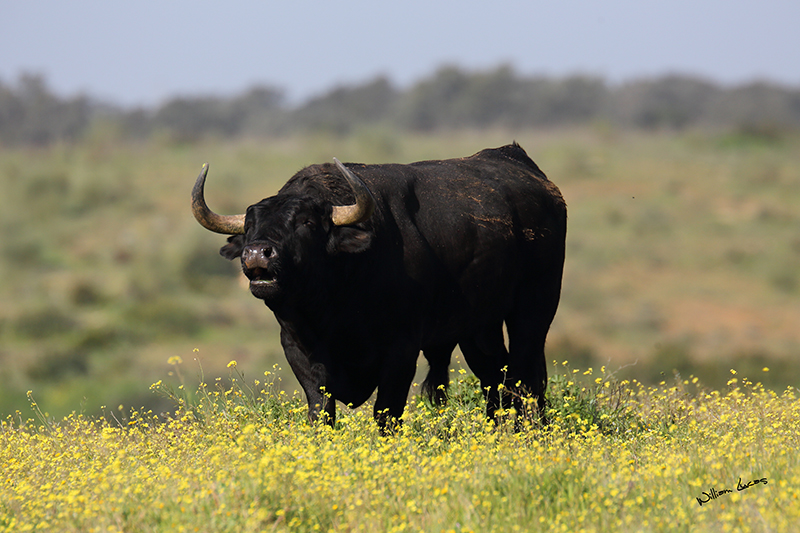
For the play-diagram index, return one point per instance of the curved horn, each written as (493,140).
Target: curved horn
(225,224)
(346,215)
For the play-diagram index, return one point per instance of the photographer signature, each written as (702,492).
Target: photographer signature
(713,495)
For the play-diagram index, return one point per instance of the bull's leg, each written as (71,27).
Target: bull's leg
(396,378)
(527,376)
(487,357)
(312,377)
(438,379)
(528,325)
(320,404)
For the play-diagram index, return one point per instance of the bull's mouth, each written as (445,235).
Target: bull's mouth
(262,282)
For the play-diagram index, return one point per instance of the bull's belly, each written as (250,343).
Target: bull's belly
(449,325)
(354,384)
(351,397)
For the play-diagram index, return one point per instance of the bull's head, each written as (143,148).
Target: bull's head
(284,238)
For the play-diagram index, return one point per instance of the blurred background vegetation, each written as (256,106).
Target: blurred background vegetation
(450,100)
(683,241)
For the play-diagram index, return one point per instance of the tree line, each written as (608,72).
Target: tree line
(451,98)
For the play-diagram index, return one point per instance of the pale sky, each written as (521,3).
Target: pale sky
(143,52)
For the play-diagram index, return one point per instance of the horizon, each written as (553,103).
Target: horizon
(290,103)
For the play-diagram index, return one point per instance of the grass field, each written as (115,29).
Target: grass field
(617,456)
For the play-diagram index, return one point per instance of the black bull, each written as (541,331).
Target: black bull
(365,266)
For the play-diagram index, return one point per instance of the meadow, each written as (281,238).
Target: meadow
(681,281)
(616,456)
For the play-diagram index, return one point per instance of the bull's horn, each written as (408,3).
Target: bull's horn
(225,224)
(346,215)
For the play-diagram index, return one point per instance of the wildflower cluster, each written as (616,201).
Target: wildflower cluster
(241,457)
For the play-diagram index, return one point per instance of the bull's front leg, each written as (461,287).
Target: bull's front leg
(313,378)
(320,404)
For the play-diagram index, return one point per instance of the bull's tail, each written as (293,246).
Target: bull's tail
(436,383)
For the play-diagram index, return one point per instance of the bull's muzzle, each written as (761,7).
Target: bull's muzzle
(256,256)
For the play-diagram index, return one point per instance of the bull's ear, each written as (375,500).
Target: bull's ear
(349,240)
(233,250)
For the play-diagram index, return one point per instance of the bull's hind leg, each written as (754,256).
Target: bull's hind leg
(528,325)
(436,383)
(395,382)
(487,357)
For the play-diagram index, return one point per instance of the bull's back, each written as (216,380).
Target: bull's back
(486,210)
(470,231)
